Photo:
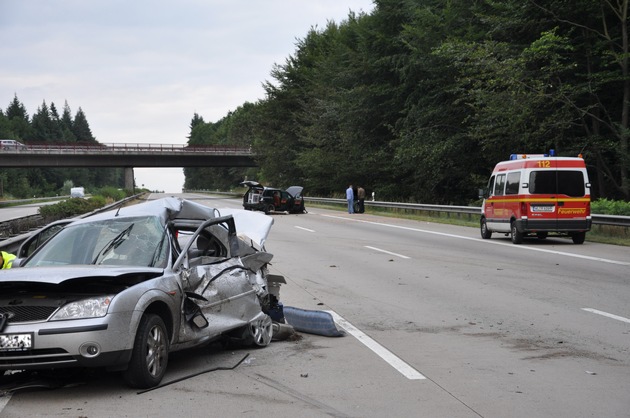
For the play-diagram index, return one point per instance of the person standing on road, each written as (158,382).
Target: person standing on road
(350,199)
(7,259)
(361,198)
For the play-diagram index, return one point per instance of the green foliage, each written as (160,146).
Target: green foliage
(81,129)
(67,185)
(71,207)
(418,100)
(47,126)
(111,193)
(610,207)
(233,130)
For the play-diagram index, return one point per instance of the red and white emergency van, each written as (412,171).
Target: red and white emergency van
(538,194)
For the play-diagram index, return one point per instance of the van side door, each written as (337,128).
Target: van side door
(512,202)
(495,205)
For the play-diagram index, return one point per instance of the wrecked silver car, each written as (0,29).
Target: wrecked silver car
(123,289)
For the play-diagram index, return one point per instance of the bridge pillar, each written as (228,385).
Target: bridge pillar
(129,180)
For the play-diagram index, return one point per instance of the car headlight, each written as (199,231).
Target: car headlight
(87,308)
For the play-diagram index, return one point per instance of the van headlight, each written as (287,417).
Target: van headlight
(87,308)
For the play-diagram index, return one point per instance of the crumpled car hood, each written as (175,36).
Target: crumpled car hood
(57,275)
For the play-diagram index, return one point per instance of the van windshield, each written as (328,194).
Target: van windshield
(569,183)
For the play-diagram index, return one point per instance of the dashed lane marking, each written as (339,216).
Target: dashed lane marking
(485,241)
(386,252)
(305,229)
(606,314)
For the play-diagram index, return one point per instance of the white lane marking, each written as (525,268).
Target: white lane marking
(386,252)
(606,314)
(4,400)
(304,229)
(485,241)
(393,360)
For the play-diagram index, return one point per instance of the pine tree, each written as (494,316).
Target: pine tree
(46,129)
(81,128)
(66,124)
(17,110)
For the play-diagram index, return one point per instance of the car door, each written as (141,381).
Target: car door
(231,300)
(219,286)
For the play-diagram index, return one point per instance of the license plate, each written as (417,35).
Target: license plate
(540,208)
(16,342)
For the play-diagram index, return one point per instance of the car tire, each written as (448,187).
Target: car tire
(517,236)
(269,209)
(578,237)
(150,354)
(485,232)
(260,332)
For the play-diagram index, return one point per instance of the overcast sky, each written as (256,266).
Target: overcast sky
(141,69)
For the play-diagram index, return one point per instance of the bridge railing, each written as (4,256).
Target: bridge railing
(107,148)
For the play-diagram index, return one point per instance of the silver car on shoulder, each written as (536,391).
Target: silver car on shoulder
(123,289)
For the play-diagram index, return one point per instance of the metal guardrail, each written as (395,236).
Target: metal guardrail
(33,200)
(610,220)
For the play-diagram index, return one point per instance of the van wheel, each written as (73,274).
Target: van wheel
(485,232)
(517,237)
(578,237)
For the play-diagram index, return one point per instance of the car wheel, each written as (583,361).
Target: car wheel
(485,232)
(269,209)
(517,236)
(150,354)
(578,237)
(260,332)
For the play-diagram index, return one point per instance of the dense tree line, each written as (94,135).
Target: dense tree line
(48,126)
(420,98)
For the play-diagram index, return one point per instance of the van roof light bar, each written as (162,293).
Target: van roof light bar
(527,156)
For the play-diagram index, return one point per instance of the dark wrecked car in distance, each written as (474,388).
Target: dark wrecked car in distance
(270,199)
(122,289)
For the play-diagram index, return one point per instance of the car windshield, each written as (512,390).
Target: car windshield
(140,241)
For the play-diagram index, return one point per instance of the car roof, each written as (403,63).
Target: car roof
(255,226)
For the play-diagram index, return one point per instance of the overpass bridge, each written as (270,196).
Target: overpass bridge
(126,156)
